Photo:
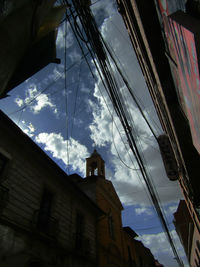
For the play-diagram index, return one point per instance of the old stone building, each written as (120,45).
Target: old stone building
(167,48)
(116,246)
(188,233)
(50,219)
(45,219)
(136,254)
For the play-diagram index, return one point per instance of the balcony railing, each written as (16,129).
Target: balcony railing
(81,244)
(47,225)
(4,196)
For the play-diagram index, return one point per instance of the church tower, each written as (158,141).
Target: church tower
(109,226)
(95,165)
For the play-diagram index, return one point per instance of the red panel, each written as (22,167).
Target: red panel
(182,36)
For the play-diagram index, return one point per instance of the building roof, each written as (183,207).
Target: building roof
(8,124)
(95,154)
(130,231)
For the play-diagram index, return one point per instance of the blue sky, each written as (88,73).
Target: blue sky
(68,123)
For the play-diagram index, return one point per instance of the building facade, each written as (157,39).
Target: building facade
(188,233)
(136,254)
(45,219)
(50,219)
(116,245)
(167,50)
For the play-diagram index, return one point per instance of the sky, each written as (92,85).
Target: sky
(68,122)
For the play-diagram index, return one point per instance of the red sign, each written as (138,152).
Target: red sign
(183,36)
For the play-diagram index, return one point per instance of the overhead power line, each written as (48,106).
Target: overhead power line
(100,49)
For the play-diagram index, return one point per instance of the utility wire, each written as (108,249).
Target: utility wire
(65,90)
(98,46)
(46,88)
(76,95)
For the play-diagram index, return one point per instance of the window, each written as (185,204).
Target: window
(130,257)
(111,226)
(80,225)
(44,215)
(4,196)
(3,163)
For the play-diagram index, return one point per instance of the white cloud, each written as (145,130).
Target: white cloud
(85,89)
(107,131)
(171,209)
(74,56)
(142,210)
(58,72)
(19,102)
(159,245)
(103,9)
(60,42)
(59,147)
(27,128)
(35,100)
(125,176)
(43,101)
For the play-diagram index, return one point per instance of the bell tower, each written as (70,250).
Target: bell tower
(95,165)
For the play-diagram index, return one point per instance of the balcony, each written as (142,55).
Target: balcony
(4,196)
(44,224)
(81,244)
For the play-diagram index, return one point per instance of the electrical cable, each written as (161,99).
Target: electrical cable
(65,91)
(130,90)
(34,98)
(97,42)
(117,150)
(76,95)
(107,78)
(46,88)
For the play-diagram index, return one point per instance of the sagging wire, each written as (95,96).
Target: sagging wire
(96,43)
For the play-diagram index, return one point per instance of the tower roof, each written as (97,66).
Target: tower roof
(95,165)
(95,153)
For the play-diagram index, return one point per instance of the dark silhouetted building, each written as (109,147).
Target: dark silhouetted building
(165,36)
(188,233)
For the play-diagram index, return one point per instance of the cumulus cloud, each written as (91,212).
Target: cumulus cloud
(19,102)
(142,210)
(103,9)
(106,130)
(35,100)
(172,208)
(27,128)
(161,249)
(75,56)
(62,30)
(85,89)
(70,151)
